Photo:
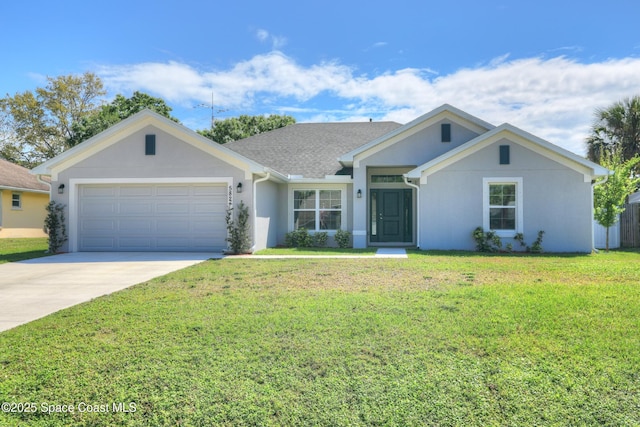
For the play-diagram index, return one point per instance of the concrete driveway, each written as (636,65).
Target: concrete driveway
(38,287)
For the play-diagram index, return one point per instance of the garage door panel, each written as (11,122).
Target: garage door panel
(98,225)
(152,217)
(137,226)
(97,191)
(98,207)
(179,207)
(134,207)
(98,243)
(136,191)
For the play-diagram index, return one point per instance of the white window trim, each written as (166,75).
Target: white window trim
(486,182)
(343,201)
(19,207)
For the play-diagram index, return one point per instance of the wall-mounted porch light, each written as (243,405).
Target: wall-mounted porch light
(359,194)
(239,188)
(61,189)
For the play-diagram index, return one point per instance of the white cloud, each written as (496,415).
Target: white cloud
(277,42)
(553,98)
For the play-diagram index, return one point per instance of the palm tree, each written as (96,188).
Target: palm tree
(616,130)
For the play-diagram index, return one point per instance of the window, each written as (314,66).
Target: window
(16,201)
(317,209)
(377,179)
(503,205)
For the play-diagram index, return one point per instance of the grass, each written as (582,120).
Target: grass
(439,339)
(12,250)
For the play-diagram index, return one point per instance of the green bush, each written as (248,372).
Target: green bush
(299,238)
(55,227)
(238,230)
(343,239)
(488,241)
(320,239)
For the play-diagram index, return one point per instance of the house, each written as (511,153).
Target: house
(23,201)
(148,183)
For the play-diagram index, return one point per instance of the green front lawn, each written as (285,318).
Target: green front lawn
(12,250)
(439,339)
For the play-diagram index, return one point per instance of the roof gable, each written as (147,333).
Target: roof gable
(133,124)
(516,135)
(445,111)
(16,177)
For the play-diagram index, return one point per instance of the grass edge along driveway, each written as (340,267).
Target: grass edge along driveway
(438,339)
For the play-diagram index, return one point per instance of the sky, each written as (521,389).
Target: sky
(544,66)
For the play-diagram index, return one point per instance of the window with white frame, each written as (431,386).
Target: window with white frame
(502,206)
(317,210)
(16,201)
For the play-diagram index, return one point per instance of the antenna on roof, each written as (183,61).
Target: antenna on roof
(213,111)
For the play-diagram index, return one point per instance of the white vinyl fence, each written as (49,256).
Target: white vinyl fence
(600,235)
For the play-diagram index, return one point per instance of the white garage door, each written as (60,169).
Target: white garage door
(151,217)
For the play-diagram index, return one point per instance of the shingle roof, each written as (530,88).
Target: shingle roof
(309,149)
(15,176)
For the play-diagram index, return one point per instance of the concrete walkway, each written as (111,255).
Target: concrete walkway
(380,253)
(38,287)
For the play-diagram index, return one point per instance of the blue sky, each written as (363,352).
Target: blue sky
(544,66)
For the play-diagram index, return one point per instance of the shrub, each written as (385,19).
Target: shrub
(320,239)
(238,230)
(299,238)
(536,247)
(488,241)
(55,227)
(343,238)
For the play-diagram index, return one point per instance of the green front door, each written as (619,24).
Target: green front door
(390,219)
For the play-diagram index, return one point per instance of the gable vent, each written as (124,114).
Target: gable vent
(505,155)
(150,145)
(445,131)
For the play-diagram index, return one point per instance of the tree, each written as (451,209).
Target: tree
(616,130)
(119,109)
(611,194)
(38,125)
(236,128)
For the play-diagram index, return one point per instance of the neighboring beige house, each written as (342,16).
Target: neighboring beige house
(23,201)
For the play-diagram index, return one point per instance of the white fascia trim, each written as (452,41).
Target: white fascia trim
(332,179)
(74,183)
(519,204)
(445,111)
(23,190)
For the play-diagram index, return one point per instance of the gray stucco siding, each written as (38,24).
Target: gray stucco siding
(555,199)
(420,147)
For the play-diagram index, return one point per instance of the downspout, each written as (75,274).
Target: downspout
(406,181)
(40,180)
(593,234)
(255,207)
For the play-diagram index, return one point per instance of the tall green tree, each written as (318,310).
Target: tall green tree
(117,110)
(38,125)
(616,130)
(611,195)
(244,126)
